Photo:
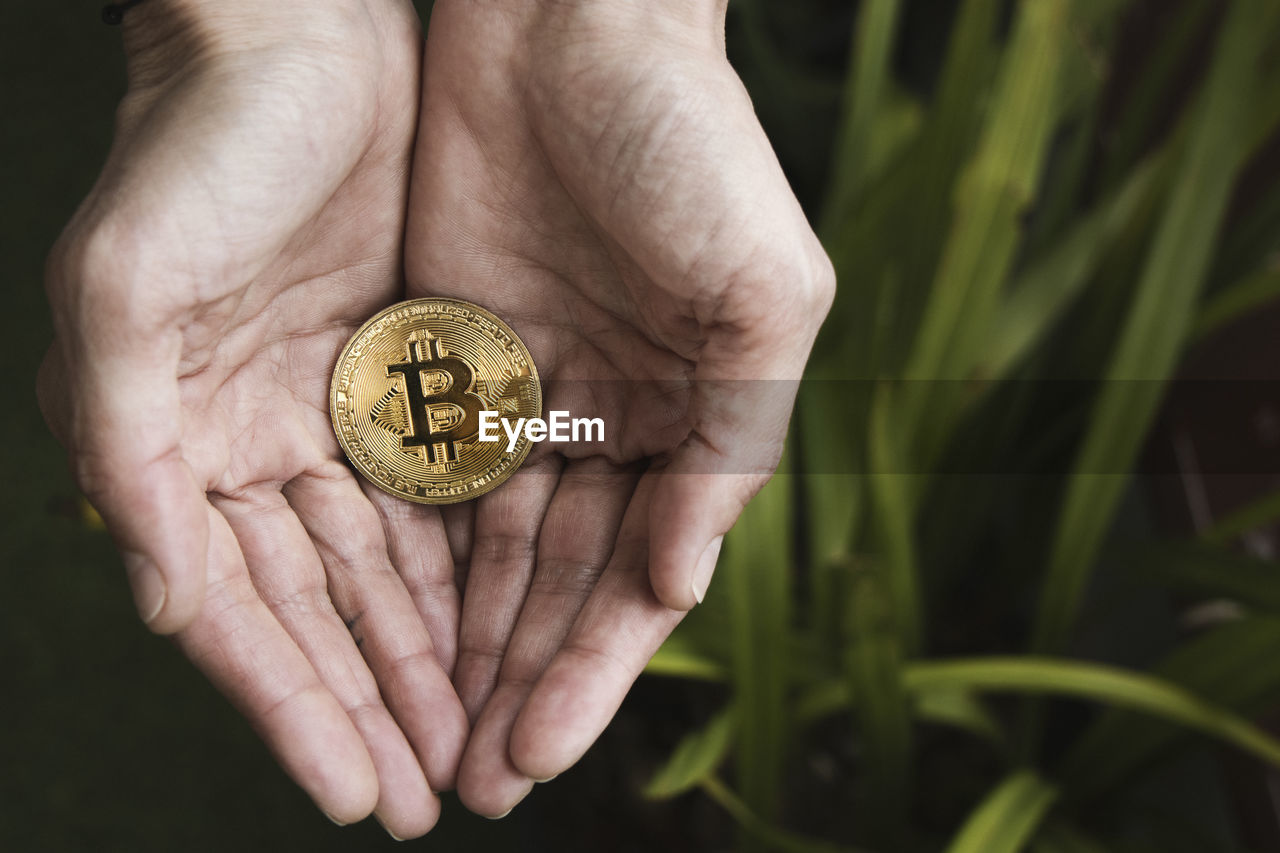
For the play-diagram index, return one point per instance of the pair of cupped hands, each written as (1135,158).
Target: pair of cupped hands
(590,171)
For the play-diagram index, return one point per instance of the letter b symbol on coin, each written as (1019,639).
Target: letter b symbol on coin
(424,403)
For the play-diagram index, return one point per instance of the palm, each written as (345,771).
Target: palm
(272,224)
(617,203)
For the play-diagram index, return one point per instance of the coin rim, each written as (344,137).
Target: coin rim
(333,402)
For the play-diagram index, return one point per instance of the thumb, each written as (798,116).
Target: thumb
(745,386)
(113,400)
(739,425)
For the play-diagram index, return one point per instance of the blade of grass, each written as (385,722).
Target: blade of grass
(1251,243)
(957,709)
(1006,820)
(1209,571)
(763,831)
(885,250)
(1154,85)
(896,126)
(1265,510)
(1120,688)
(827,418)
(1039,296)
(757,568)
(885,625)
(946,141)
(695,758)
(894,519)
(873,657)
(1159,319)
(679,659)
(874,32)
(1080,83)
(1255,234)
(1237,300)
(990,199)
(1234,663)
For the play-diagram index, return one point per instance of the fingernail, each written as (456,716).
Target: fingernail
(394,837)
(705,568)
(335,821)
(546,780)
(148,586)
(501,816)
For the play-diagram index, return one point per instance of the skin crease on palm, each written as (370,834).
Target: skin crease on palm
(590,171)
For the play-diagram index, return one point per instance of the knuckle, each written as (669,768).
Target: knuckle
(797,272)
(567,577)
(309,599)
(95,476)
(95,277)
(824,278)
(503,548)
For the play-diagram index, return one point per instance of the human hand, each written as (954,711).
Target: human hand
(594,173)
(249,218)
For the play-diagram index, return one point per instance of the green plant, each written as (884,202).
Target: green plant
(986,244)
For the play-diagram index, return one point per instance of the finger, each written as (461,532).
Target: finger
(502,557)
(738,429)
(118,414)
(287,572)
(244,651)
(575,543)
(380,614)
(459,529)
(615,635)
(419,550)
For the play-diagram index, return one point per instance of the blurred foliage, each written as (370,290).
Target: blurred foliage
(1013,193)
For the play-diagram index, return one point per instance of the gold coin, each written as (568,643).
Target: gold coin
(408,391)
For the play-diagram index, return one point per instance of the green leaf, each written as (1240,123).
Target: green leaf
(886,248)
(1006,820)
(1155,82)
(823,699)
(991,196)
(1236,300)
(1263,511)
(894,520)
(680,658)
(959,709)
(897,125)
(1113,686)
(756,573)
(1210,571)
(695,758)
(1039,296)
(874,665)
(762,830)
(1159,319)
(868,76)
(828,415)
(1235,663)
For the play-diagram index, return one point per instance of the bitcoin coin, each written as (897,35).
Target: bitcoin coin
(408,391)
